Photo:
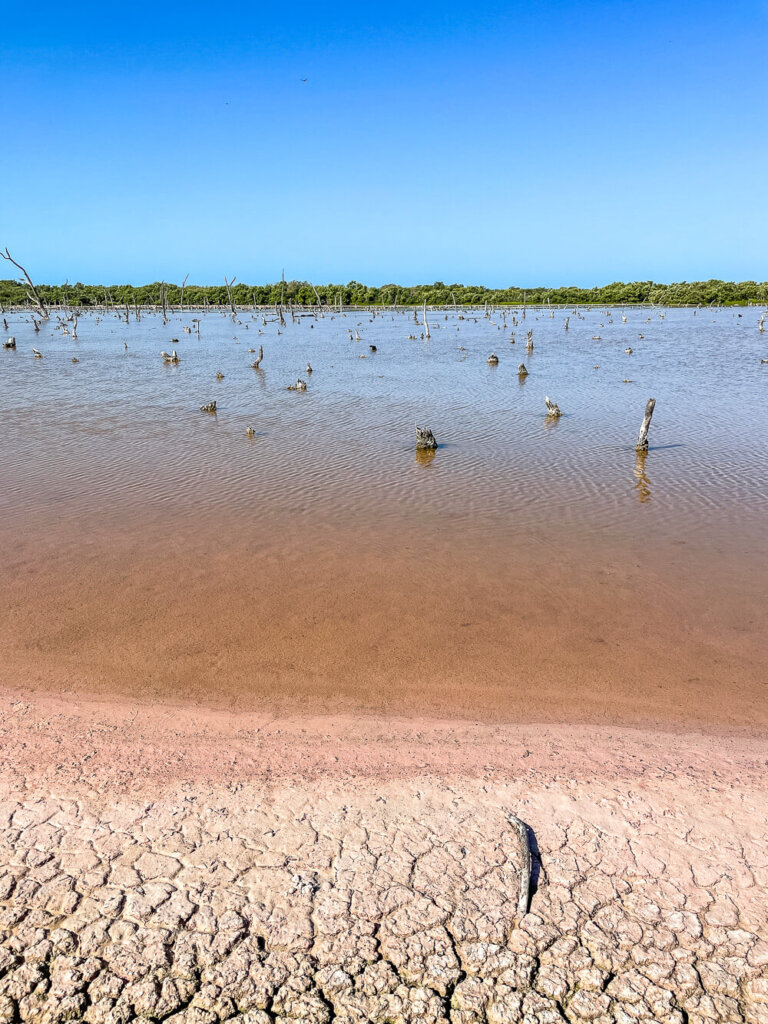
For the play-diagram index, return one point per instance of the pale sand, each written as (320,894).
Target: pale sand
(171,860)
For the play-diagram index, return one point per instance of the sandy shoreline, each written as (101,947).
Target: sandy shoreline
(648,895)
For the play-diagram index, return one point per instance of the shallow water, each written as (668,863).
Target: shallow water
(120,432)
(113,478)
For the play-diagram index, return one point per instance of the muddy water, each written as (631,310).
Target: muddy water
(529,570)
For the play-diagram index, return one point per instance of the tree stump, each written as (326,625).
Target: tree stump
(522,371)
(208,407)
(425,439)
(553,409)
(642,437)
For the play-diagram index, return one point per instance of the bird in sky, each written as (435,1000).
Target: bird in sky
(305,79)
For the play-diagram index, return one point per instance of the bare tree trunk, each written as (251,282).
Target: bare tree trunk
(181,301)
(228,285)
(426,324)
(32,293)
(642,437)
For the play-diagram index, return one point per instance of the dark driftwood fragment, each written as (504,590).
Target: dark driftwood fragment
(642,437)
(425,439)
(208,407)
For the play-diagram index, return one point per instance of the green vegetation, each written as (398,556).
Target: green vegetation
(302,293)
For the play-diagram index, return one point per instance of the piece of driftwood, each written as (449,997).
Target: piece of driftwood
(553,409)
(522,371)
(171,357)
(524,895)
(309,368)
(300,385)
(219,375)
(38,355)
(208,407)
(257,362)
(493,359)
(250,431)
(10,343)
(75,359)
(642,437)
(628,351)
(425,439)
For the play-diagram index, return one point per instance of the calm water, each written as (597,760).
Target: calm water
(529,569)
(120,435)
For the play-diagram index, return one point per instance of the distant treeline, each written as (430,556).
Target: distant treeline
(303,293)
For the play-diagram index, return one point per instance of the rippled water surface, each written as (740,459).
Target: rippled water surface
(120,433)
(527,568)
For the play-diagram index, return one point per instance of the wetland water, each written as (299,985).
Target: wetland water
(530,569)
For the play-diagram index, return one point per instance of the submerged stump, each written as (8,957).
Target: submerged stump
(642,437)
(425,439)
(553,409)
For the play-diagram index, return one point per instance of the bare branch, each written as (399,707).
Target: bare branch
(32,293)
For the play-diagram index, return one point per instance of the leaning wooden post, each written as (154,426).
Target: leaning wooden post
(642,437)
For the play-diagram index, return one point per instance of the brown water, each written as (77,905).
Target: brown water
(529,569)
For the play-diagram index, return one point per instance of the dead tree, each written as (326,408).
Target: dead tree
(425,439)
(228,286)
(642,437)
(319,303)
(426,323)
(32,292)
(181,301)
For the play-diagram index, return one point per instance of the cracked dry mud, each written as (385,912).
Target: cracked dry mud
(381,896)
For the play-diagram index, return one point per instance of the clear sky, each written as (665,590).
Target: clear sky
(517,143)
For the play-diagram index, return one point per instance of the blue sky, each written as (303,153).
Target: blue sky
(537,143)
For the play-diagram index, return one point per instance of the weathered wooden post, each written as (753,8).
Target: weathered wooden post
(553,409)
(642,437)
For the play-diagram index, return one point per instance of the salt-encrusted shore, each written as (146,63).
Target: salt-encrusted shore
(180,863)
